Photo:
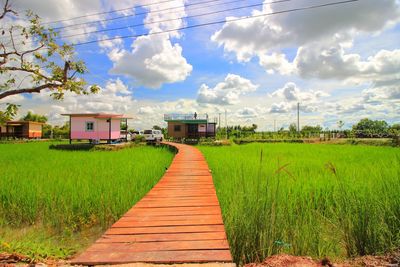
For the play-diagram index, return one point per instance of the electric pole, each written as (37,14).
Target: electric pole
(274,125)
(226,127)
(219,120)
(298,117)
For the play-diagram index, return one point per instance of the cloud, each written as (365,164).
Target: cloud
(114,97)
(247,38)
(322,48)
(63,10)
(282,107)
(117,86)
(352,109)
(153,61)
(330,61)
(290,92)
(276,63)
(226,92)
(146,110)
(383,91)
(247,113)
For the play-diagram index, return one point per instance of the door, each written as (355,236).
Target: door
(192,130)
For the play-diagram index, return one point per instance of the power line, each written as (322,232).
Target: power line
(106,12)
(220,22)
(149,12)
(174,19)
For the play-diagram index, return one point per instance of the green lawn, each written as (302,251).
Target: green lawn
(53,203)
(318,200)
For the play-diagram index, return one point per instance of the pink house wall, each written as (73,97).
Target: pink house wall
(100,131)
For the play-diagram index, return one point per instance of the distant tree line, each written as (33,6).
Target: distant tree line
(365,128)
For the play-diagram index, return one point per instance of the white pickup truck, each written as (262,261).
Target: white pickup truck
(153,135)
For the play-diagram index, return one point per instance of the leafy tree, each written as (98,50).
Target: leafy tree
(9,113)
(31,60)
(370,128)
(307,130)
(34,117)
(340,124)
(46,130)
(49,131)
(61,132)
(394,130)
(156,127)
(293,128)
(395,127)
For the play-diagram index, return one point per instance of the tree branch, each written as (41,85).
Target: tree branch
(66,68)
(30,51)
(25,70)
(28,90)
(7,9)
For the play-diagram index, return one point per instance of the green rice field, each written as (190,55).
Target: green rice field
(305,199)
(53,203)
(318,200)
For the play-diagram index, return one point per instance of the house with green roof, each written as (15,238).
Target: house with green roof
(190,126)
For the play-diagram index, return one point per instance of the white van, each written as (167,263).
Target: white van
(153,135)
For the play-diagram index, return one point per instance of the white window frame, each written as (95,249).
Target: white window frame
(86,126)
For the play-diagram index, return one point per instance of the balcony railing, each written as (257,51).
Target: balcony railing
(192,116)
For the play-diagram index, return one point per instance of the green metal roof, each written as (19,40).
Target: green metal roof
(188,121)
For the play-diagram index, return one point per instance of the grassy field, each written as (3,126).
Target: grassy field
(303,199)
(52,203)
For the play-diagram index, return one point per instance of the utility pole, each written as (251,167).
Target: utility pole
(219,120)
(274,125)
(226,127)
(298,117)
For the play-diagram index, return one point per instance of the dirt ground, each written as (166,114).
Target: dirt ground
(284,260)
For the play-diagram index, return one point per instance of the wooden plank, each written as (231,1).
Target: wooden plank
(161,246)
(161,205)
(170,209)
(143,218)
(178,221)
(161,237)
(165,229)
(192,256)
(160,212)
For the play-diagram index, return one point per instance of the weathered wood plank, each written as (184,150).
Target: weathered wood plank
(161,237)
(165,229)
(92,258)
(178,221)
(160,246)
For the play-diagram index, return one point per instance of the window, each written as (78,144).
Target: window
(89,126)
(177,128)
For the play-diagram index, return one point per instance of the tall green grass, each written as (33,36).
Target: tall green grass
(67,192)
(318,200)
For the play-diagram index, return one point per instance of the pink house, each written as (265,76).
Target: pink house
(96,126)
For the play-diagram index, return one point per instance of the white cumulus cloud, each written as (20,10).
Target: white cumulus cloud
(226,92)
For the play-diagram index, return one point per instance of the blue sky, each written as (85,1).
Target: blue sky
(340,62)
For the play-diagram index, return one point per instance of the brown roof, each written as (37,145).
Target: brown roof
(98,115)
(16,123)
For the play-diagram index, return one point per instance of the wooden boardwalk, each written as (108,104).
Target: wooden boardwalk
(178,221)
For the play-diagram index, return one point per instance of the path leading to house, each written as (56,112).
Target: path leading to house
(178,221)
